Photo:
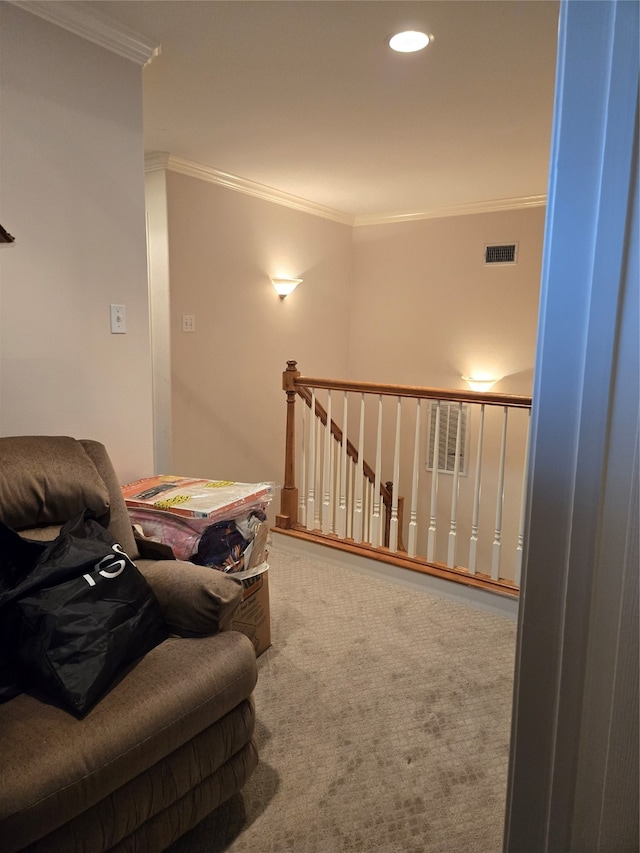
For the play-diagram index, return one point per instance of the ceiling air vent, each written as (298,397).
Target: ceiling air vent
(507,253)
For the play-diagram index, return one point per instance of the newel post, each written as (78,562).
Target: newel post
(289,493)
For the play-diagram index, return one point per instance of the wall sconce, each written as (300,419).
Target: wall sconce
(284,286)
(481,382)
(5,237)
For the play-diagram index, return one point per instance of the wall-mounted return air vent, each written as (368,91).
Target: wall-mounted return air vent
(505,253)
(450,413)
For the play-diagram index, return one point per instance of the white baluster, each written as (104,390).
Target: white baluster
(413,522)
(431,543)
(372,497)
(334,474)
(351,466)
(495,559)
(318,476)
(326,472)
(451,554)
(393,528)
(312,462)
(473,544)
(366,511)
(342,511)
(377,526)
(302,502)
(357,517)
(523,501)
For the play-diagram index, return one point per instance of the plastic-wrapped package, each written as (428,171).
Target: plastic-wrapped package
(231,537)
(215,500)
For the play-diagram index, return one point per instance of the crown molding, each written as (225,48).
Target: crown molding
(161,160)
(158,160)
(492,206)
(155,161)
(79,17)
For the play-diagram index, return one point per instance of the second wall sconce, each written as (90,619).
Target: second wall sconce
(481,382)
(284,286)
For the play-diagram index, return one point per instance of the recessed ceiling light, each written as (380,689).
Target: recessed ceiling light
(410,41)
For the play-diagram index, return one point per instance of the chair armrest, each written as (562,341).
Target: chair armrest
(195,600)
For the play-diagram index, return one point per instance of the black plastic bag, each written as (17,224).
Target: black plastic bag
(18,556)
(79,615)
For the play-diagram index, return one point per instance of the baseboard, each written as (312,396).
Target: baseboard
(477,598)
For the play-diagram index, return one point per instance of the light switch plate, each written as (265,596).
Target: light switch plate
(118,319)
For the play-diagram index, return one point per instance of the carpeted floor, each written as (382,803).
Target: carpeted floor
(383,722)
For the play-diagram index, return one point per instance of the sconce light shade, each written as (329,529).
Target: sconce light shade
(284,286)
(481,383)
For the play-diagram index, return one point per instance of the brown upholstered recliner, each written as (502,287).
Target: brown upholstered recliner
(172,739)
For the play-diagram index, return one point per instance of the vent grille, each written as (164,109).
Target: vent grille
(507,253)
(449,414)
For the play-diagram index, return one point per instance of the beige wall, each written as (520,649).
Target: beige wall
(422,293)
(72,193)
(405,303)
(408,302)
(228,406)
(426,311)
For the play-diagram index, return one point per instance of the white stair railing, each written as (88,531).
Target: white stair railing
(462,469)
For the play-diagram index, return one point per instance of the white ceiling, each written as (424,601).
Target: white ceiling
(305,97)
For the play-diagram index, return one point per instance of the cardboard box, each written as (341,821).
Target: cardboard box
(252,617)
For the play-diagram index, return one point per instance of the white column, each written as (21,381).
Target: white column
(159,316)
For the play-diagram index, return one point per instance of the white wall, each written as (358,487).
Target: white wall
(72,194)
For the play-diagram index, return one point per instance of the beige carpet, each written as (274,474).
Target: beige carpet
(383,722)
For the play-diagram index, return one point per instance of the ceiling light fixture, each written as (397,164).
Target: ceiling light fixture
(410,41)
(284,286)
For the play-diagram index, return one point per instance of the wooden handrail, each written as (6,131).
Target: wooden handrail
(487,397)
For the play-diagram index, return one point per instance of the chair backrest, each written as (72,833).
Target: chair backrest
(46,480)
